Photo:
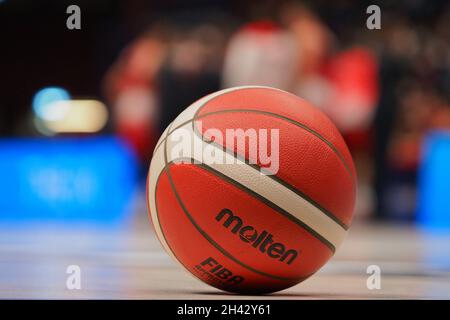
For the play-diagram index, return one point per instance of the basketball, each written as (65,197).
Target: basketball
(251,189)
(274,150)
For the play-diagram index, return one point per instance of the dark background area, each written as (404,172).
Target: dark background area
(37,48)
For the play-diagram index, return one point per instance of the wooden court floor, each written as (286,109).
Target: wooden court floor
(128,263)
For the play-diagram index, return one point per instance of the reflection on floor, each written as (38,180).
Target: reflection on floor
(130,263)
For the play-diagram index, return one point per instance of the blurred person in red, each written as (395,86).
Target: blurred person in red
(342,82)
(261,53)
(313,40)
(131,88)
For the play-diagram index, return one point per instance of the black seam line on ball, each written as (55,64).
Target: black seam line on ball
(156,207)
(283,183)
(203,233)
(186,122)
(222,285)
(262,199)
(162,230)
(196,116)
(296,123)
(317,134)
(214,243)
(275,178)
(271,205)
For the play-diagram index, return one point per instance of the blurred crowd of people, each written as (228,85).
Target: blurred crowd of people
(385,89)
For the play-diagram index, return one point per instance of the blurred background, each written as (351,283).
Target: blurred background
(81,110)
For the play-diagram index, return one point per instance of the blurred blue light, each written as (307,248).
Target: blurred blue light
(71,179)
(43,100)
(434,182)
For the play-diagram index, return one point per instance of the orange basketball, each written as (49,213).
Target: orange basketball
(257,211)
